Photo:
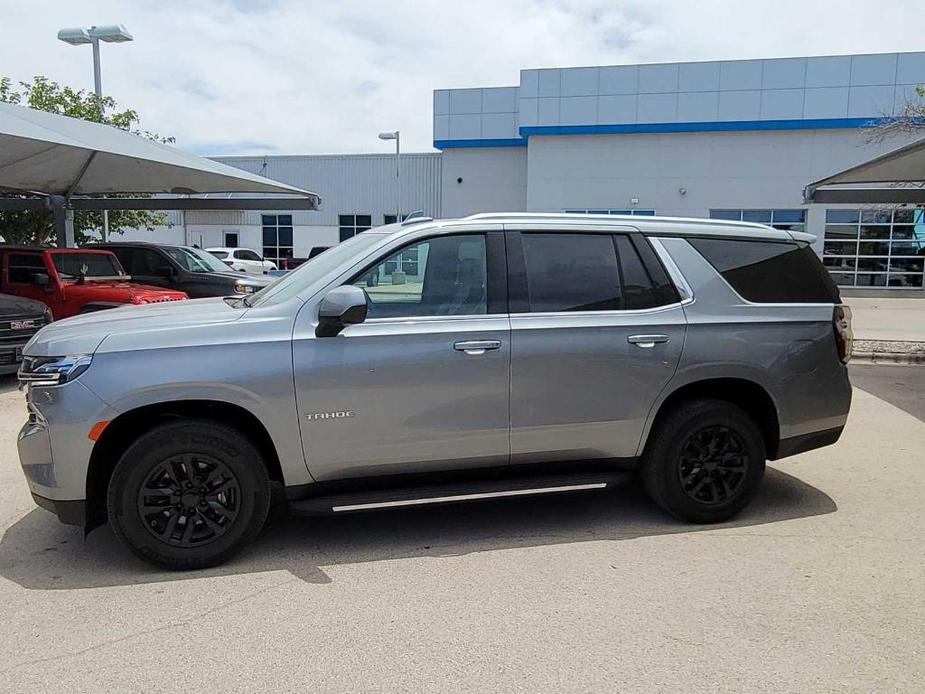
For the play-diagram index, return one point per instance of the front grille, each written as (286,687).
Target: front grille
(162,299)
(8,357)
(18,330)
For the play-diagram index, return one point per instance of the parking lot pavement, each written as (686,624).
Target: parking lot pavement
(817,586)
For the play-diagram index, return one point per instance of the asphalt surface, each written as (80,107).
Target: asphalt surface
(902,386)
(817,586)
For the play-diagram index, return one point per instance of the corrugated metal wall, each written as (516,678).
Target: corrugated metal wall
(348,184)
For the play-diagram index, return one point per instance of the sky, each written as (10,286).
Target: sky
(305,77)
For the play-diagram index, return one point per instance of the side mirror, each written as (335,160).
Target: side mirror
(40,279)
(339,308)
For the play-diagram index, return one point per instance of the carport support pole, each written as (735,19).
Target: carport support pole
(64,221)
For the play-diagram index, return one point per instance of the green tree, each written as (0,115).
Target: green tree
(37,228)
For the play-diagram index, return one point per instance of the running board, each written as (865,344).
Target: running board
(459,492)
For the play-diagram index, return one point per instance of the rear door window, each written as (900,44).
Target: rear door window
(768,271)
(571,272)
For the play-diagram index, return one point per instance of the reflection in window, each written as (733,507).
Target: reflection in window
(444,276)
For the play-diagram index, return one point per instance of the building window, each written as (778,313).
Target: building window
(644,213)
(875,248)
(277,237)
(352,224)
(231,239)
(788,220)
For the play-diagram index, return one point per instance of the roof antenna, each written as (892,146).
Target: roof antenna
(263,168)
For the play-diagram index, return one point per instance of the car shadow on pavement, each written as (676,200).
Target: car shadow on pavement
(39,553)
(8,383)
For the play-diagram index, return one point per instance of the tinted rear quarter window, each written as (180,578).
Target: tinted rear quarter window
(769,271)
(571,272)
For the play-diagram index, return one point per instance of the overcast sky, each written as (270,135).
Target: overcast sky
(298,76)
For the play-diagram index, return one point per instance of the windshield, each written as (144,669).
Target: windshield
(197,260)
(70,265)
(290,284)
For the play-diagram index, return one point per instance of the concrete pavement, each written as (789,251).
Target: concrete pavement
(818,586)
(894,318)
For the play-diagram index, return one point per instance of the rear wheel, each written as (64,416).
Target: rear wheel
(704,461)
(189,495)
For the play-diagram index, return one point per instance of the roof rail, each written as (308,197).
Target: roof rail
(623,218)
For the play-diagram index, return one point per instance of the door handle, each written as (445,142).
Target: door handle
(646,341)
(477,347)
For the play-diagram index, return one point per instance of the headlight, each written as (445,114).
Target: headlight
(53,371)
(245,288)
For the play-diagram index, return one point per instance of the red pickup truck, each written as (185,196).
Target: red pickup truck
(74,280)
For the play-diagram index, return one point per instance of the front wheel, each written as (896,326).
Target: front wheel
(704,461)
(189,494)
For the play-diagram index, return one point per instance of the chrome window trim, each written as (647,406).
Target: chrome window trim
(593,314)
(431,319)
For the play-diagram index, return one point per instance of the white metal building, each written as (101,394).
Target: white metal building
(732,139)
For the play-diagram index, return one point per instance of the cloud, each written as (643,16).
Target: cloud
(292,76)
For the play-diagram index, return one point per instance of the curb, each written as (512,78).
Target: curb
(887,358)
(888,352)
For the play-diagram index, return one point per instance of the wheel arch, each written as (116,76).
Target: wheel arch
(746,394)
(122,431)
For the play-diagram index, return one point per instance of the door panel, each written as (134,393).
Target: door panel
(594,340)
(582,385)
(403,398)
(423,385)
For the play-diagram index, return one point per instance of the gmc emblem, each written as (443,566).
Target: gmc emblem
(21,324)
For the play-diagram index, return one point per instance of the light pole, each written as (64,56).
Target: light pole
(112,33)
(395,135)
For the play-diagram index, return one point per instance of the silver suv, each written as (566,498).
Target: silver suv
(441,361)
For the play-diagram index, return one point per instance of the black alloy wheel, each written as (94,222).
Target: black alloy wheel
(189,500)
(713,464)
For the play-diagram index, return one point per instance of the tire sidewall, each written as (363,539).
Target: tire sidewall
(215,440)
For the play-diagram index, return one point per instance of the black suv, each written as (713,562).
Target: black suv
(20,319)
(185,268)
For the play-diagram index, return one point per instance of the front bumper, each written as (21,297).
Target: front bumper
(68,512)
(54,448)
(11,357)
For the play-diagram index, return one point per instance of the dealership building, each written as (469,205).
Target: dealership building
(727,139)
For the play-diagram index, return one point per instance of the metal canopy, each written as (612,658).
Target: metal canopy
(57,155)
(905,165)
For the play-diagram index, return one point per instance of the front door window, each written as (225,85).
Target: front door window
(443,276)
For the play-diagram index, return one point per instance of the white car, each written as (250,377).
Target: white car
(243,260)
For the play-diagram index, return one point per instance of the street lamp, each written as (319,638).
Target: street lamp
(111,33)
(395,135)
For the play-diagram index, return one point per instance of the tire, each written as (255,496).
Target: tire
(704,461)
(196,469)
